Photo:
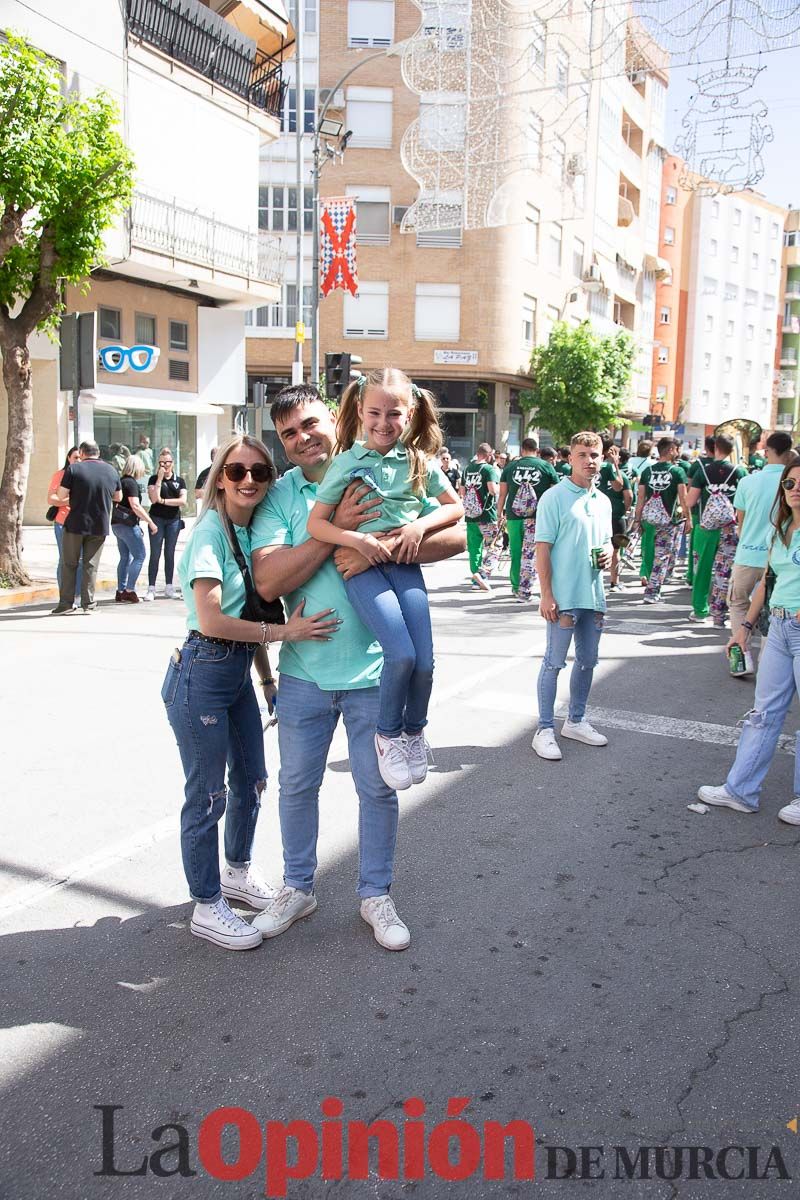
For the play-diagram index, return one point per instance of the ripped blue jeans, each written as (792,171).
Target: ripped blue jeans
(776,683)
(586,626)
(213,711)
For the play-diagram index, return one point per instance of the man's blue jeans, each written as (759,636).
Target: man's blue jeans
(59,532)
(586,625)
(392,602)
(166,535)
(214,715)
(776,683)
(132,554)
(306,723)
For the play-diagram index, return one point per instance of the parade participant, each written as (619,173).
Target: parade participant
(209,697)
(321,683)
(778,668)
(479,487)
(400,431)
(89,487)
(715,535)
(661,501)
(167,492)
(756,461)
(61,513)
(614,484)
(754,501)
(125,526)
(562,464)
(523,482)
(573,548)
(549,455)
(450,469)
(705,458)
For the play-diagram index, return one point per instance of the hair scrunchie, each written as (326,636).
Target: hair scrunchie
(416,392)
(361,381)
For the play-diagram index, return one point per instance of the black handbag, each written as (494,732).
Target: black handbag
(762,624)
(122,515)
(51,513)
(255,607)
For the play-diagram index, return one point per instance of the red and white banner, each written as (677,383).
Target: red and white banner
(337,245)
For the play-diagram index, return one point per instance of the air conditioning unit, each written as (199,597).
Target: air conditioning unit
(399,212)
(576,164)
(336,98)
(592,274)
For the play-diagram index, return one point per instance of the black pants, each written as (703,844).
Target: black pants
(166,536)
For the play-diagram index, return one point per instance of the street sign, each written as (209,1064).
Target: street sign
(78,358)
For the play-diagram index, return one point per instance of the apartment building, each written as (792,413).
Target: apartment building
(787,401)
(671,299)
(200,91)
(566,227)
(731,270)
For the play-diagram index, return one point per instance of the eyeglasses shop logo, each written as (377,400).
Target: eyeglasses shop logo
(453,1150)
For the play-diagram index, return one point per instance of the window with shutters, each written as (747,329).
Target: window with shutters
(145,327)
(367,316)
(179,369)
(437,312)
(369,116)
(178,335)
(373,214)
(370,22)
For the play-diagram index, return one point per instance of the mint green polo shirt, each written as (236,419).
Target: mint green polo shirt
(785,562)
(352,658)
(208,555)
(574,520)
(387,476)
(755,497)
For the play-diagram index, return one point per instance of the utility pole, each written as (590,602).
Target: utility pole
(300,122)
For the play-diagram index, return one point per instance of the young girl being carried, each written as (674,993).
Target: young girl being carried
(400,431)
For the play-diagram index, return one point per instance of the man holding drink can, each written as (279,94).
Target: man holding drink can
(573,548)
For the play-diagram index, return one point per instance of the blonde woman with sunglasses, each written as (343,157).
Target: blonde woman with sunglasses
(209,696)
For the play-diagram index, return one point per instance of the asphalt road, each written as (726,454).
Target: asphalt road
(587,955)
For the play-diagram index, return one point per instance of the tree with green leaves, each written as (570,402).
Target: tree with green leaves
(580,380)
(65,176)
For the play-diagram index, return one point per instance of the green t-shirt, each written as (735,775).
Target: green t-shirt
(387,476)
(528,469)
(208,555)
(563,468)
(476,476)
(718,471)
(606,476)
(757,462)
(663,479)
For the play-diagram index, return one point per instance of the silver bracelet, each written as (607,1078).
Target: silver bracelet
(264,631)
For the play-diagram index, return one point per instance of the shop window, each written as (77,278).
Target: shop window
(145,328)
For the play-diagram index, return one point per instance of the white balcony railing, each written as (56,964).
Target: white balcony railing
(193,237)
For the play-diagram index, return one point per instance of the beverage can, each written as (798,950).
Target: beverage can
(736,658)
(596,552)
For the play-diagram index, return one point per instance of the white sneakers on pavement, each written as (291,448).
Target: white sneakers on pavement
(417,756)
(150,594)
(247,886)
(582,731)
(390,932)
(790,813)
(720,797)
(217,923)
(481,582)
(288,905)
(171,592)
(545,744)
(393,762)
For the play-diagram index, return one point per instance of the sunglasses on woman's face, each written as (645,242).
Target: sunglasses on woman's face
(236,472)
(790,483)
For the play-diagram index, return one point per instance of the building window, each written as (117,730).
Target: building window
(442,120)
(671,196)
(578,251)
(757,224)
(748,366)
(289,124)
(734,253)
(774,230)
(534,134)
(145,330)
(552,317)
(707,361)
(664,315)
(283,314)
(562,72)
(726,399)
(554,242)
(770,303)
(669,235)
(751,332)
(729,327)
(712,247)
(750,297)
(559,158)
(178,335)
(538,43)
(437,312)
(367,316)
(728,365)
(709,286)
(663,354)
(715,208)
(109,323)
(705,397)
(709,325)
(373,215)
(754,261)
(179,369)
(309,15)
(370,22)
(528,321)
(737,216)
(731,291)
(773,266)
(766,370)
(369,116)
(278,207)
(747,401)
(532,223)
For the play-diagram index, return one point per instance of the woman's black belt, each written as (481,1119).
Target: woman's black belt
(203,637)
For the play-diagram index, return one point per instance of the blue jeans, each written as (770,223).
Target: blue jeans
(214,715)
(586,625)
(167,536)
(132,554)
(59,532)
(776,683)
(392,602)
(308,718)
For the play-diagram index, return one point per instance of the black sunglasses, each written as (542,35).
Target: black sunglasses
(259,472)
(790,483)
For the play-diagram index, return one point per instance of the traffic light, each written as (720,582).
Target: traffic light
(337,375)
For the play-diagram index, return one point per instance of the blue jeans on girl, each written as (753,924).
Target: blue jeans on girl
(213,711)
(586,625)
(59,532)
(166,536)
(132,554)
(776,683)
(392,602)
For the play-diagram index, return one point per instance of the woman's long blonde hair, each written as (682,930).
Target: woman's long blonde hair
(423,435)
(213,496)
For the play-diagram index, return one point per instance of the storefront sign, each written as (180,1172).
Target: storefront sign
(461,358)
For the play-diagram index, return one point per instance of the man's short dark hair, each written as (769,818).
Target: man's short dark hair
(90,449)
(547,452)
(779,442)
(663,445)
(723,444)
(296,395)
(530,443)
(710,443)
(624,455)
(564,451)
(607,444)
(644,447)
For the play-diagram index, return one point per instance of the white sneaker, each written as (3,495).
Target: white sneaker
(390,932)
(481,582)
(545,744)
(393,762)
(582,731)
(649,599)
(790,813)
(286,907)
(171,592)
(417,753)
(720,797)
(218,924)
(150,594)
(245,884)
(693,617)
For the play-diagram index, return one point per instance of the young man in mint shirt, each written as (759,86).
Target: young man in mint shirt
(573,548)
(754,500)
(332,680)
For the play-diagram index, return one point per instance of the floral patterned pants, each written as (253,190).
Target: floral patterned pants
(666,547)
(721,573)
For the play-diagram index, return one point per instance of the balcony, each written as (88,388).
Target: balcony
(789,356)
(792,290)
(232,265)
(196,36)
